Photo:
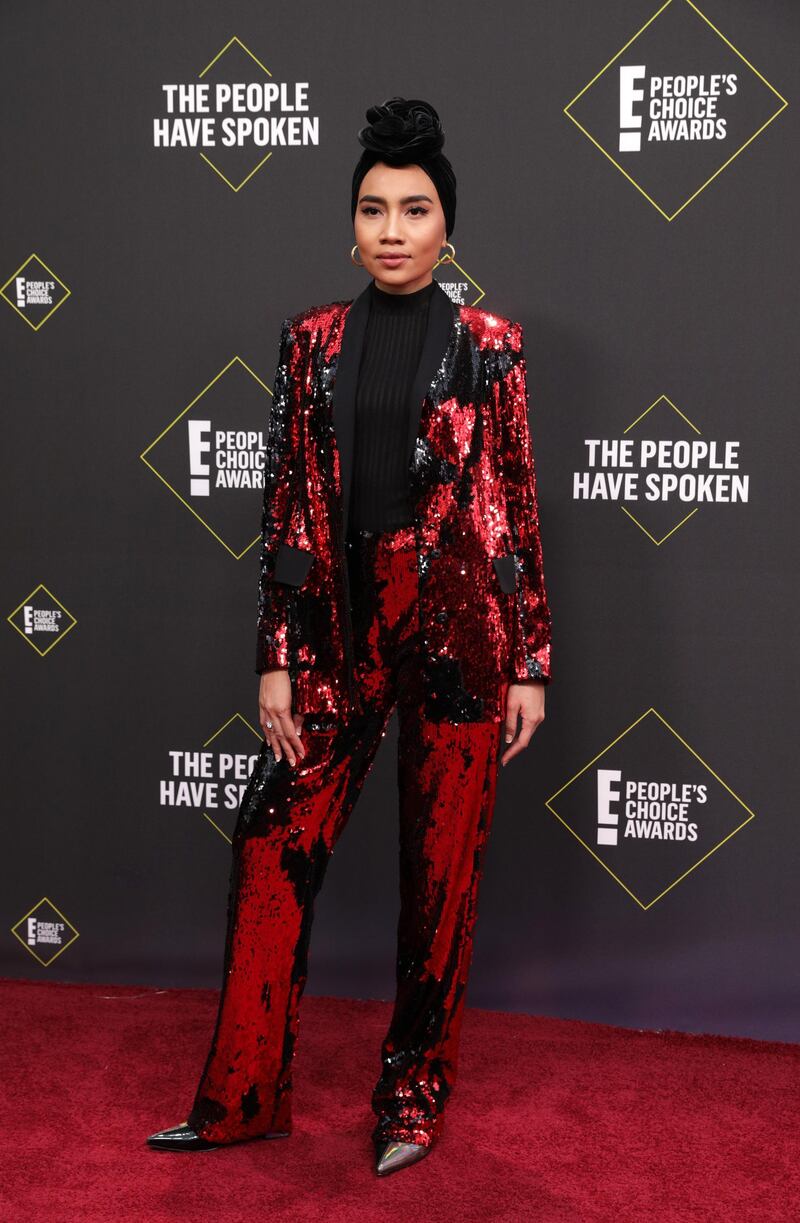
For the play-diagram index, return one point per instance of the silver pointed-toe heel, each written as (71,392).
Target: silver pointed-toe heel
(395,1155)
(183,1138)
(180,1138)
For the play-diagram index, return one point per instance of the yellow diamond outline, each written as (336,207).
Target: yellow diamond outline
(691,514)
(256,538)
(58,638)
(50,313)
(211,739)
(25,916)
(632,180)
(449,259)
(714,848)
(208,160)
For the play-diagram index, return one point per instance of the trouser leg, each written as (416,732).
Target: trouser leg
(288,824)
(447,779)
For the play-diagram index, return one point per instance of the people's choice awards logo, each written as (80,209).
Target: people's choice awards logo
(210,781)
(45,932)
(674,106)
(42,620)
(34,291)
(661,471)
(649,809)
(211,456)
(457,282)
(233,112)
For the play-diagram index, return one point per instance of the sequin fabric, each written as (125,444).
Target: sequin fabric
(288,824)
(483,609)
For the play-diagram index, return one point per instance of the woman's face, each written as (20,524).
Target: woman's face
(399,214)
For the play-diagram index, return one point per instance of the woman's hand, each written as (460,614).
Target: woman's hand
(275,707)
(526,701)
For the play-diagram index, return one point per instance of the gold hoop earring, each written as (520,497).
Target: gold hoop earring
(453,249)
(353,258)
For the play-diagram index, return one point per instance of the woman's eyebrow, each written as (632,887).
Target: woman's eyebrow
(407,199)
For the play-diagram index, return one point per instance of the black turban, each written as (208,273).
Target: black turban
(405,132)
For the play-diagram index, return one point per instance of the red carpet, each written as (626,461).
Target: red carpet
(551,1120)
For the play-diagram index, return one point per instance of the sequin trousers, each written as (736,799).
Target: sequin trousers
(288,824)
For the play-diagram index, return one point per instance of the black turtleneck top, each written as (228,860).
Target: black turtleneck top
(393,341)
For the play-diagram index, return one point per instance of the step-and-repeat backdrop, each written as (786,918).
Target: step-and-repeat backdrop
(177,182)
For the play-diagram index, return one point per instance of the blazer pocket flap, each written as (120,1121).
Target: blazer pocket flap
(506,570)
(292,564)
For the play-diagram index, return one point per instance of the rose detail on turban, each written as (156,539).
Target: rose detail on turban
(404,134)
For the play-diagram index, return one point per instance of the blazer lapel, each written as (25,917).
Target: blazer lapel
(440,329)
(438,335)
(344,391)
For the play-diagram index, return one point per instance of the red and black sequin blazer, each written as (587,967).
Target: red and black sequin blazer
(482,601)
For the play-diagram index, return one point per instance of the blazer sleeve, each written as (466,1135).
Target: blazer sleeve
(532,618)
(276,611)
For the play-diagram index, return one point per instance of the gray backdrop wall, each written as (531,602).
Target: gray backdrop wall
(628,190)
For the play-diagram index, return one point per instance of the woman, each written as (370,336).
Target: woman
(401,567)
